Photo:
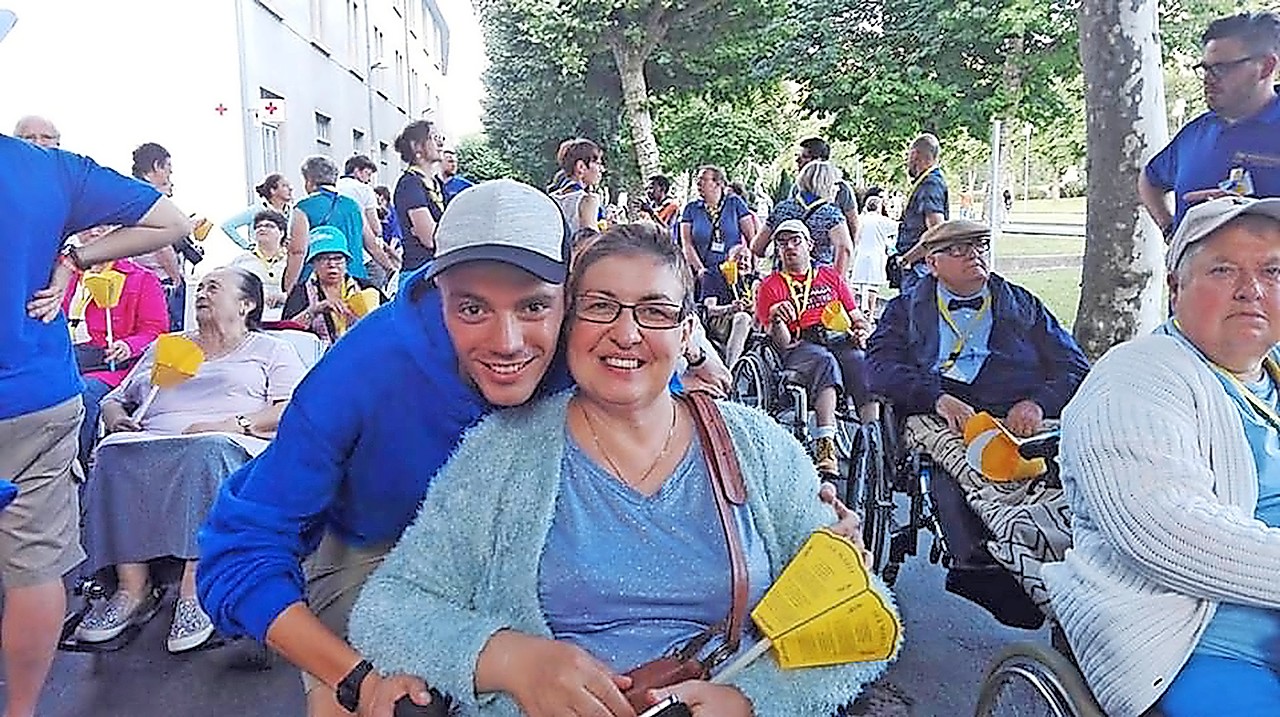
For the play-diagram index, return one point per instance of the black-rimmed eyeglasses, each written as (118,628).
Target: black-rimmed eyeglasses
(647,314)
(964,249)
(1218,70)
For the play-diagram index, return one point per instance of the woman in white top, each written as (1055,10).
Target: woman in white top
(267,259)
(581,169)
(276,193)
(876,233)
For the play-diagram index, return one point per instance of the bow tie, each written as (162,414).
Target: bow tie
(973,304)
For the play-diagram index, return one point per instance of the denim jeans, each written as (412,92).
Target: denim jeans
(94,390)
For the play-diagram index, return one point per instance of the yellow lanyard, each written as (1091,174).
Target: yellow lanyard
(801,304)
(920,180)
(961,336)
(1261,407)
(429,183)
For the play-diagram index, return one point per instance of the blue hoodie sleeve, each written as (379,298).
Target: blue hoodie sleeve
(267,516)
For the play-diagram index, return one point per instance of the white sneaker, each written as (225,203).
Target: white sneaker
(191,626)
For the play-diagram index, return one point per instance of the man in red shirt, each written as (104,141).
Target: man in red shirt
(790,305)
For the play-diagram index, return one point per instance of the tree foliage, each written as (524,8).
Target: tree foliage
(480,161)
(700,128)
(886,69)
(554,72)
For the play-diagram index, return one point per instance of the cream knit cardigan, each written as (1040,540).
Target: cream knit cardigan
(1163,488)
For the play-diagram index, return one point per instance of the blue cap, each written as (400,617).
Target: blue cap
(327,240)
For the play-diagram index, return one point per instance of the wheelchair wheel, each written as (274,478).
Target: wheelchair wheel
(750,385)
(1034,680)
(868,492)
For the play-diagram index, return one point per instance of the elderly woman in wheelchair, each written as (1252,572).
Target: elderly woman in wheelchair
(1170,595)
(962,341)
(156,474)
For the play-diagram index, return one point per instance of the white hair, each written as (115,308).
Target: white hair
(819,178)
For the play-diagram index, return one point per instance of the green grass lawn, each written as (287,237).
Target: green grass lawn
(1059,289)
(1029,245)
(1073,205)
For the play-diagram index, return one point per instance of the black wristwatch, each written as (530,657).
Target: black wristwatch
(348,692)
(72,256)
(702,358)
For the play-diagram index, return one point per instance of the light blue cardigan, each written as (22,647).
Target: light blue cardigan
(468,566)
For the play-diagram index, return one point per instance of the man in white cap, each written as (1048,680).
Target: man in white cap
(790,304)
(40,409)
(474,331)
(1171,460)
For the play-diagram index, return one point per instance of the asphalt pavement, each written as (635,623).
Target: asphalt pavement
(948,645)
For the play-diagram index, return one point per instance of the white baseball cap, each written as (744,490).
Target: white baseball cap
(1208,217)
(7,20)
(507,221)
(793,226)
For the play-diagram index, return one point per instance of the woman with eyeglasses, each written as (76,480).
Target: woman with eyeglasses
(714,226)
(328,303)
(572,540)
(267,259)
(581,164)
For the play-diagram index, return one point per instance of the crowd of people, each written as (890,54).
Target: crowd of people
(478,518)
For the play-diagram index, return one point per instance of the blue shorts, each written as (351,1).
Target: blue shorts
(1220,686)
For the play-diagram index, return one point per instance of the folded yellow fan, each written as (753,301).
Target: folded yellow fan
(993,451)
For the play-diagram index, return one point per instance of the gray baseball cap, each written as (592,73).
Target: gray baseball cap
(507,221)
(1208,217)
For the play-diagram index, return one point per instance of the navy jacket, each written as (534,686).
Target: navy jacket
(1032,356)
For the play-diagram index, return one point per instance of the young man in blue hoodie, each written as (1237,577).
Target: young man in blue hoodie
(372,423)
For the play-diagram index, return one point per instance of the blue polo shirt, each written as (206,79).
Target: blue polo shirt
(47,195)
(713,247)
(1208,148)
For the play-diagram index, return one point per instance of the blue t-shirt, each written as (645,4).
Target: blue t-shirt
(713,246)
(928,198)
(456,184)
(46,196)
(1242,632)
(628,577)
(1204,153)
(326,207)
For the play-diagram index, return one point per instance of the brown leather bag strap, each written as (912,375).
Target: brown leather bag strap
(729,490)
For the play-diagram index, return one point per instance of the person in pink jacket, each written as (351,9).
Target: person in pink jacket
(139,317)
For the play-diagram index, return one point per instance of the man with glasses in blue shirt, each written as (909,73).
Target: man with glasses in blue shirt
(1234,148)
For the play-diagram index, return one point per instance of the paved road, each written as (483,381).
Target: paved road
(949,643)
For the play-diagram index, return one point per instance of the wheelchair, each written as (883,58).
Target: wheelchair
(759,380)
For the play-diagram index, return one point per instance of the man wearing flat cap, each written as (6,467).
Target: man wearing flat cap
(964,340)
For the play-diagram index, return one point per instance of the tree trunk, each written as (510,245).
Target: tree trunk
(635,96)
(1125,117)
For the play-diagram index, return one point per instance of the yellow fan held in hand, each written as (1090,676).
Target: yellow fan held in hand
(993,451)
(836,318)
(822,610)
(177,359)
(202,228)
(362,302)
(105,288)
(729,269)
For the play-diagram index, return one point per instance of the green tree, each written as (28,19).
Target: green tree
(887,69)
(480,161)
(699,128)
(576,67)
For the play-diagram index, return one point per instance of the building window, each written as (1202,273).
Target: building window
(399,91)
(353,33)
(317,19)
(270,148)
(379,58)
(413,90)
(324,125)
(384,153)
(357,142)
